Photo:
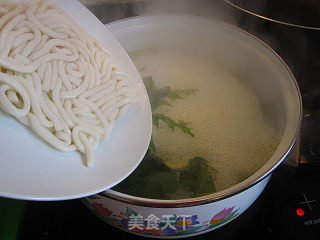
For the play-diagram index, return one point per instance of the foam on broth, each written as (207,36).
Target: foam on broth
(225,115)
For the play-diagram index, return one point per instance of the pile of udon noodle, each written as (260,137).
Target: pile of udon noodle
(57,79)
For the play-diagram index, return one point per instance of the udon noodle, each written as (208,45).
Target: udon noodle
(57,79)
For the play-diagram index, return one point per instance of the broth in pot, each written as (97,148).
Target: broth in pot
(209,129)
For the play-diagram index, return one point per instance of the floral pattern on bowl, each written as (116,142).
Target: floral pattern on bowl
(165,225)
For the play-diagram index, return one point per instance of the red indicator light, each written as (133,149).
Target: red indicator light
(300,212)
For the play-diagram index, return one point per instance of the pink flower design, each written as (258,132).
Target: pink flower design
(221,215)
(101,209)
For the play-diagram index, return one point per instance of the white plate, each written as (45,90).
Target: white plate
(32,170)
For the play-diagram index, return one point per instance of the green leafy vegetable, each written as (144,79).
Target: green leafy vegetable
(197,178)
(153,178)
(178,94)
(157,95)
(161,184)
(152,148)
(171,123)
(142,69)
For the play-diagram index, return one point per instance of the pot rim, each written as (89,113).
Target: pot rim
(271,19)
(226,193)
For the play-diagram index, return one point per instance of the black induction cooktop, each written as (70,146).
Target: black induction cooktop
(288,208)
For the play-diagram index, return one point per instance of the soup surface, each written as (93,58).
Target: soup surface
(208,128)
